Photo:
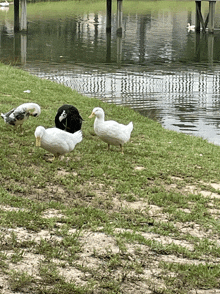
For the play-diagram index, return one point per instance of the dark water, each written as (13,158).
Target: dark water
(156,66)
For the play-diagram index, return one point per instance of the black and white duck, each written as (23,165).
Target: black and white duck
(68,119)
(17,116)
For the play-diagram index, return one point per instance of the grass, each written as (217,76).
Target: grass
(97,221)
(61,9)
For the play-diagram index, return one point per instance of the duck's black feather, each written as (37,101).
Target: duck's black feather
(68,118)
(21,115)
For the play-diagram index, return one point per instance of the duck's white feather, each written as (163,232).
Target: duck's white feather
(56,141)
(111,132)
(27,107)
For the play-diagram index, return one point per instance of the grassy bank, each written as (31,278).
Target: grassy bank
(102,222)
(62,9)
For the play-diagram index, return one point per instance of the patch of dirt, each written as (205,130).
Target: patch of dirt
(51,213)
(213,291)
(9,208)
(97,248)
(197,231)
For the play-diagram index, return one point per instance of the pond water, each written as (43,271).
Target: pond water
(156,65)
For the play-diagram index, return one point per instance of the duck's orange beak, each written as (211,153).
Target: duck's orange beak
(91,115)
(38,142)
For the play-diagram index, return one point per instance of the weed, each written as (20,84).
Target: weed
(19,280)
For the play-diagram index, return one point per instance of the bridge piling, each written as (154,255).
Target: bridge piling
(23,25)
(209,19)
(16,15)
(108,15)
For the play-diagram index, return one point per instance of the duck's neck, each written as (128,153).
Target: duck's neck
(100,119)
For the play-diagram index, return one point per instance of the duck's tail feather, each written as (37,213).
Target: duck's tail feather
(130,126)
(78,136)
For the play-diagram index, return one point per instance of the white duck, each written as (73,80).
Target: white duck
(56,141)
(110,131)
(4,4)
(17,116)
(190,27)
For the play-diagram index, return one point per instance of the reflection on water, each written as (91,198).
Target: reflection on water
(156,67)
(186,102)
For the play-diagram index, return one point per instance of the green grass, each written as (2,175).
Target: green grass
(62,9)
(99,221)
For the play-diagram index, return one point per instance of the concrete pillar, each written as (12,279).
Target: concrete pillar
(23,15)
(119,17)
(211,16)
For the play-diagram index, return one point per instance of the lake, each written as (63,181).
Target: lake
(156,66)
